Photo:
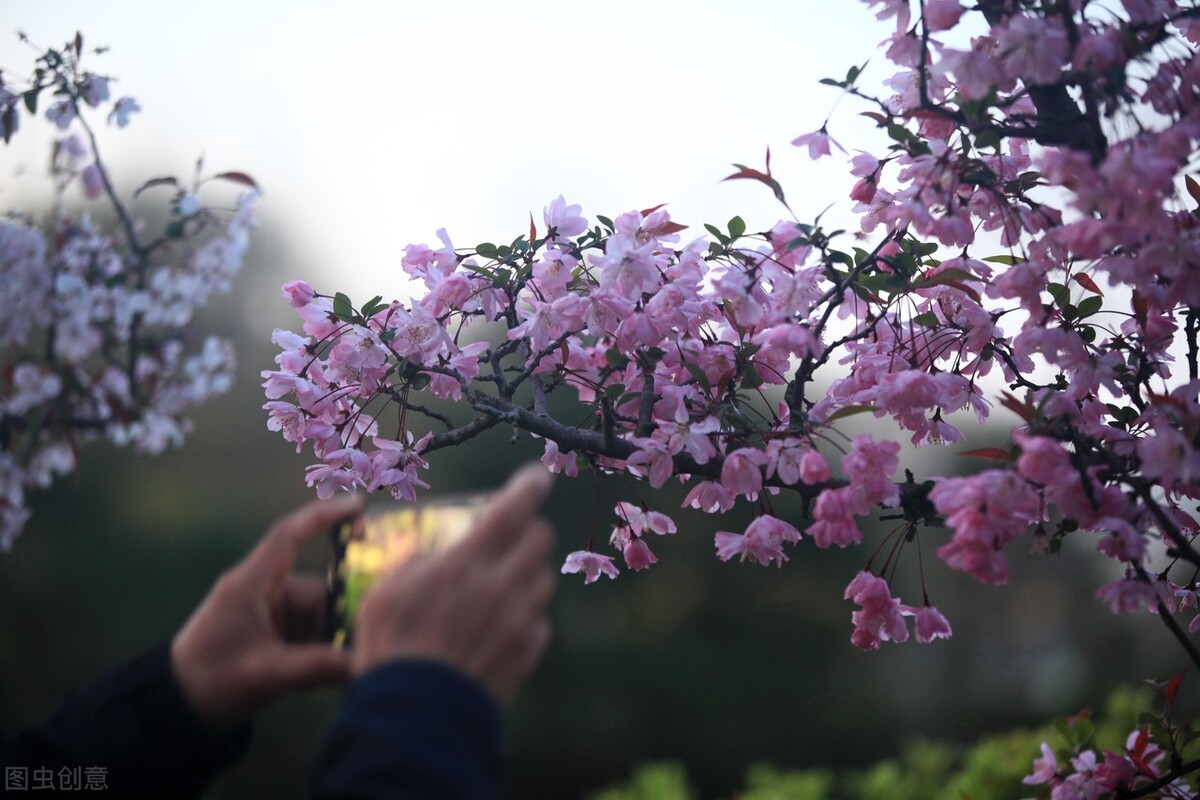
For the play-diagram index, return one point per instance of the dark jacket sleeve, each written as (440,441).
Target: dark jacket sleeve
(132,731)
(412,729)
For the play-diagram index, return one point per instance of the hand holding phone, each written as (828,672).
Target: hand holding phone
(478,605)
(373,544)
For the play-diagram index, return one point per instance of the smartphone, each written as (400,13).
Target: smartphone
(383,537)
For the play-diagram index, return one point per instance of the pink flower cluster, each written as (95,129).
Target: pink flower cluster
(1004,237)
(881,617)
(1087,775)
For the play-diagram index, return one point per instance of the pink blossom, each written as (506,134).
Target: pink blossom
(640,520)
(710,497)
(92,180)
(637,554)
(869,466)
(298,293)
(741,472)
(1045,769)
(930,625)
(654,461)
(942,15)
(122,110)
(592,565)
(557,461)
(1127,596)
(762,541)
(834,520)
(881,618)
(817,142)
(563,220)
(813,468)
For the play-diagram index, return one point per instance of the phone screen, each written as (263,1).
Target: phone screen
(371,545)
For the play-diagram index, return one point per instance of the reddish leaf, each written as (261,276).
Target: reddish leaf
(877,117)
(78,44)
(237,177)
(849,411)
(672,227)
(150,184)
(1137,753)
(749,173)
(1086,282)
(1022,409)
(1173,686)
(967,290)
(1140,309)
(645,212)
(1192,187)
(532,230)
(1167,400)
(989,452)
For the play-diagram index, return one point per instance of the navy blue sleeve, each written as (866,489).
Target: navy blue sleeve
(412,729)
(132,731)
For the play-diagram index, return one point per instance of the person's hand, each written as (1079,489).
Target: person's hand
(479,606)
(258,632)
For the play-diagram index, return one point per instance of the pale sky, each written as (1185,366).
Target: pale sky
(370,125)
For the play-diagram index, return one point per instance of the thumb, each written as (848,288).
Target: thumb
(307,665)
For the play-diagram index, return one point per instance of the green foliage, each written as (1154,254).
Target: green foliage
(991,769)
(665,780)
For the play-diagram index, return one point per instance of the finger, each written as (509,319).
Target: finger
(307,665)
(506,516)
(304,601)
(527,555)
(274,555)
(511,676)
(508,627)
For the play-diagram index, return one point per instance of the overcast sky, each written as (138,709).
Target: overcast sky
(370,124)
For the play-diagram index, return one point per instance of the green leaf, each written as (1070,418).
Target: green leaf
(606,222)
(614,391)
(751,379)
(698,374)
(342,307)
(716,232)
(842,258)
(948,275)
(830,82)
(615,358)
(928,319)
(653,355)
(736,228)
(1060,293)
(31,97)
(1005,259)
(877,282)
(420,380)
(1089,305)
(849,411)
(486,249)
(373,305)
